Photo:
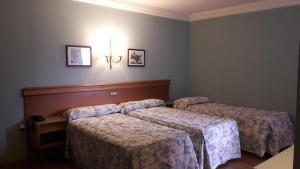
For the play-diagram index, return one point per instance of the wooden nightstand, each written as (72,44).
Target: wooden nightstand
(169,103)
(49,133)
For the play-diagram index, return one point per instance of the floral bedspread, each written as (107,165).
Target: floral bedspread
(117,141)
(261,131)
(215,139)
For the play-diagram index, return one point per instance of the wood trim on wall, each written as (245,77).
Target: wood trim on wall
(54,100)
(31,91)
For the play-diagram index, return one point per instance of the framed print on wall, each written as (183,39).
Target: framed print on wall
(136,57)
(79,55)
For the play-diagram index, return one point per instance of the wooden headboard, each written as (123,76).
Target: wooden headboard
(54,100)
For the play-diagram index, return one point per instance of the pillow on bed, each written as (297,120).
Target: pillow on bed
(188,101)
(91,111)
(141,104)
(107,109)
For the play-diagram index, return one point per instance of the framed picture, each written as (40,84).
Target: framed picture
(79,55)
(136,57)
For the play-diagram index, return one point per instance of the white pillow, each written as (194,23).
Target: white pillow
(141,104)
(188,101)
(91,111)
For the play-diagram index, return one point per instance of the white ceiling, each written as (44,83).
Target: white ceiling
(191,10)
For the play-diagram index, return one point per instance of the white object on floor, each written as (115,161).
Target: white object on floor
(283,160)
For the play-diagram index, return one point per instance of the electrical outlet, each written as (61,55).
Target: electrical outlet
(113,93)
(22,126)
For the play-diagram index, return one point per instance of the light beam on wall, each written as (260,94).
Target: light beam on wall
(108,42)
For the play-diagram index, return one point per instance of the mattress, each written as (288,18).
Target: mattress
(215,139)
(261,131)
(117,141)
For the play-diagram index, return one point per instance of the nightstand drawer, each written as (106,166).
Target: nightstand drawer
(51,127)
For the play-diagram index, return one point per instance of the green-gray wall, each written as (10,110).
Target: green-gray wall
(33,34)
(247,59)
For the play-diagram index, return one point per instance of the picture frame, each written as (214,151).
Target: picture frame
(136,57)
(77,55)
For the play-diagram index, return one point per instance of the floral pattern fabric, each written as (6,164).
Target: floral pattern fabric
(117,141)
(261,131)
(216,140)
(187,101)
(91,111)
(141,104)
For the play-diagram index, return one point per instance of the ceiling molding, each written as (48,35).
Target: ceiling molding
(150,10)
(245,8)
(139,8)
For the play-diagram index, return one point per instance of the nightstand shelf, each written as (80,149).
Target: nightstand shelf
(49,133)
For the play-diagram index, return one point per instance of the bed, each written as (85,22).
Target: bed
(261,131)
(100,137)
(215,139)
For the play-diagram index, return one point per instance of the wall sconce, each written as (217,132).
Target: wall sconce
(109,58)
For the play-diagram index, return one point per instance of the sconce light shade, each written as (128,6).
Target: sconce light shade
(109,58)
